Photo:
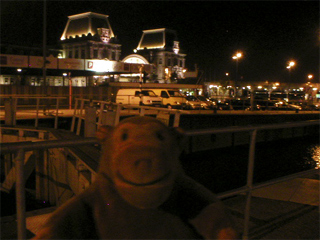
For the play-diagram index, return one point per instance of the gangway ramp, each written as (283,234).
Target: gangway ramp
(29,164)
(89,154)
(87,158)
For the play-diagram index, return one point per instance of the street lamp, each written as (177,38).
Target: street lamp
(310,76)
(70,90)
(289,67)
(291,64)
(236,57)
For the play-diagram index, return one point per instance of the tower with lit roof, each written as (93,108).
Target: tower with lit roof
(161,48)
(89,36)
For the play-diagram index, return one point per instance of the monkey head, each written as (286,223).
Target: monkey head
(141,157)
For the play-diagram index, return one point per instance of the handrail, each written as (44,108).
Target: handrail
(79,112)
(13,107)
(235,129)
(30,96)
(245,189)
(21,148)
(250,169)
(27,146)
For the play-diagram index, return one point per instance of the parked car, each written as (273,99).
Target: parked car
(243,105)
(134,96)
(220,105)
(311,107)
(283,105)
(171,98)
(266,104)
(193,102)
(205,102)
(223,106)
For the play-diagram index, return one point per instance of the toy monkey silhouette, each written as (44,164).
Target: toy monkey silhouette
(140,192)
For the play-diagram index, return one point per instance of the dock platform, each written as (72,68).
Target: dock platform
(280,211)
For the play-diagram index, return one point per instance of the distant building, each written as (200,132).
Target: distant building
(90,54)
(161,48)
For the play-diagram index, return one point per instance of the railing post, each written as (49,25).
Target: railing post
(80,117)
(20,195)
(57,113)
(10,108)
(141,110)
(253,135)
(176,119)
(90,122)
(37,113)
(102,104)
(74,115)
(117,114)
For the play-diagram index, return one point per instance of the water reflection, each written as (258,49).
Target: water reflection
(315,155)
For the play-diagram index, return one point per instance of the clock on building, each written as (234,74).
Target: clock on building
(104,34)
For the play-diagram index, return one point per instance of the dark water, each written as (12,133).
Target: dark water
(225,169)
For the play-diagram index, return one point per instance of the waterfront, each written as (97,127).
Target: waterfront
(226,168)
(223,169)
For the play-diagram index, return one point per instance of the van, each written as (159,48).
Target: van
(171,98)
(134,96)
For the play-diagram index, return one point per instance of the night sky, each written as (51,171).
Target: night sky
(268,33)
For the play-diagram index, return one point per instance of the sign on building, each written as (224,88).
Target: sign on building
(37,62)
(71,63)
(13,61)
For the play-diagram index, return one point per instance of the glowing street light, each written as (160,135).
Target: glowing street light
(310,76)
(236,57)
(290,65)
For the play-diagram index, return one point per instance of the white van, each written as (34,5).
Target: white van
(133,96)
(171,98)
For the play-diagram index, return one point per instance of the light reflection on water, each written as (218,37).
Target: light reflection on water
(315,155)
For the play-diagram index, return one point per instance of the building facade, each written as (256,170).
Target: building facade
(90,54)
(161,48)
(90,36)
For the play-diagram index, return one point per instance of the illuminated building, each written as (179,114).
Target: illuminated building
(161,48)
(90,36)
(90,55)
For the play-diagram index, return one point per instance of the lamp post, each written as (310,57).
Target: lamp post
(236,57)
(141,69)
(289,67)
(309,91)
(70,90)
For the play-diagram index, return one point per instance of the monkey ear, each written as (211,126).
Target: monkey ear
(104,132)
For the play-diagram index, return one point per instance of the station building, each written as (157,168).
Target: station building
(90,55)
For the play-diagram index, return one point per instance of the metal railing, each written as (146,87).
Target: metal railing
(19,163)
(104,107)
(248,188)
(12,104)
